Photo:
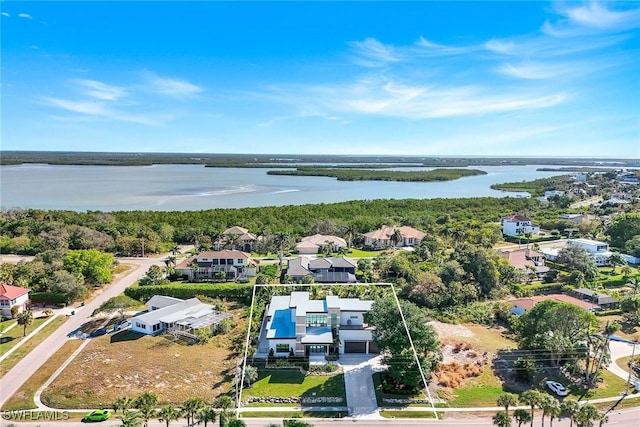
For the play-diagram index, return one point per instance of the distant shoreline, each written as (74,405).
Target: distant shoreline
(294,160)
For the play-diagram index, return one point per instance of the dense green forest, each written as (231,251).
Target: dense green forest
(378,175)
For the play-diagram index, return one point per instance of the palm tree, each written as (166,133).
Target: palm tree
(131,419)
(570,407)
(501,419)
(522,416)
(554,411)
(205,415)
(175,249)
(25,318)
(548,404)
(634,284)
(123,403)
(236,423)
(191,407)
(506,400)
(531,398)
(609,329)
(586,416)
(396,237)
(146,403)
(281,239)
(167,414)
(193,265)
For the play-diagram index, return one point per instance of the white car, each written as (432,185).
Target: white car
(557,388)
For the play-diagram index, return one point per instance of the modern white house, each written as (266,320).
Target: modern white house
(598,250)
(185,317)
(312,245)
(207,265)
(518,225)
(13,296)
(302,326)
(385,237)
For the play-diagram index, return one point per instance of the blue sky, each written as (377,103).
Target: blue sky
(424,78)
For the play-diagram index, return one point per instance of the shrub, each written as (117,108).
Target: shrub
(48,298)
(190,290)
(330,367)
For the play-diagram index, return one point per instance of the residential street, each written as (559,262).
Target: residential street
(12,381)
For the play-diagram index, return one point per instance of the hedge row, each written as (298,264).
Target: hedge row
(48,298)
(190,290)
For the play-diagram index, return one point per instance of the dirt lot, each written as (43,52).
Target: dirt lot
(127,363)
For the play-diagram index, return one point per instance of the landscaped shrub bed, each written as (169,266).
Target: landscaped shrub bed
(392,386)
(190,290)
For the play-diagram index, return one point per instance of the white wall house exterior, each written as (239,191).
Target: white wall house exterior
(518,225)
(234,264)
(13,296)
(173,314)
(598,250)
(312,245)
(294,323)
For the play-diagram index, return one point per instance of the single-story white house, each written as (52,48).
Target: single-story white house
(168,314)
(311,245)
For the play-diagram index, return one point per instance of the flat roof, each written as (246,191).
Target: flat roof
(318,335)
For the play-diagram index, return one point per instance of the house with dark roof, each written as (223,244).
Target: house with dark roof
(604,301)
(518,225)
(13,296)
(302,326)
(210,265)
(386,237)
(323,270)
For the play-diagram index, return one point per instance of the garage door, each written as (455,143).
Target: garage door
(355,347)
(373,347)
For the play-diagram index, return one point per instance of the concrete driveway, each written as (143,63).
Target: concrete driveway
(361,396)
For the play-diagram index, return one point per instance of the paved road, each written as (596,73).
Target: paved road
(628,417)
(14,379)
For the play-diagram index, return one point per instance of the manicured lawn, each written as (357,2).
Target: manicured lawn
(32,343)
(293,414)
(358,253)
(479,391)
(23,398)
(14,336)
(292,383)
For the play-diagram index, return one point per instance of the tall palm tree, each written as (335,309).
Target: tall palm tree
(123,403)
(396,237)
(548,404)
(146,403)
(570,407)
(531,398)
(281,239)
(522,416)
(25,319)
(191,407)
(168,413)
(609,329)
(206,415)
(131,419)
(501,420)
(506,400)
(587,415)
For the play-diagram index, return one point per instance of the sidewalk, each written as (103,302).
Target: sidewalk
(27,338)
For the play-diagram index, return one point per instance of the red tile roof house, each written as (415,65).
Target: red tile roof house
(11,296)
(527,260)
(382,238)
(521,305)
(234,264)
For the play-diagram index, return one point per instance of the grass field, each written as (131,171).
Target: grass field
(479,391)
(407,414)
(29,345)
(293,414)
(14,336)
(292,383)
(127,363)
(358,253)
(23,398)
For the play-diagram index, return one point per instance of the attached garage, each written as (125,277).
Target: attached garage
(355,347)
(373,347)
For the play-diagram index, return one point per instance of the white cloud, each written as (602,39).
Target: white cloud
(100,110)
(427,47)
(591,17)
(25,16)
(373,53)
(5,14)
(99,90)
(171,87)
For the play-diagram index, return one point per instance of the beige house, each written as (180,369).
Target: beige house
(207,265)
(311,245)
(13,296)
(384,237)
(237,238)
